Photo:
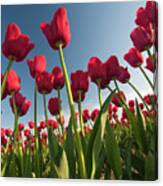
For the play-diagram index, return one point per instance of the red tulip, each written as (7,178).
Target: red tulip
(97,72)
(53,124)
(13,82)
(37,65)
(112,67)
(5,91)
(8,132)
(3,132)
(16,45)
(86,115)
(3,141)
(142,38)
(76,96)
(58,31)
(21,126)
(131,103)
(27,132)
(134,57)
(44,82)
(141,105)
(118,98)
(22,104)
(79,81)
(42,125)
(151,65)
(142,18)
(44,135)
(59,81)
(150,99)
(61,121)
(115,109)
(54,106)
(124,75)
(31,124)
(94,114)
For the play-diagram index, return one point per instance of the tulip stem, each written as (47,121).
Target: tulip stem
(5,77)
(16,117)
(99,93)
(147,78)
(36,133)
(138,93)
(45,110)
(60,113)
(79,148)
(80,113)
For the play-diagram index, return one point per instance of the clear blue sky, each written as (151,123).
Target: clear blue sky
(98,29)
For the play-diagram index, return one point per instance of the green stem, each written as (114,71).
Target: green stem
(36,133)
(5,78)
(99,93)
(138,93)
(71,105)
(60,113)
(45,110)
(80,113)
(147,78)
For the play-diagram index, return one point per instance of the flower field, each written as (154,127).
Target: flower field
(116,141)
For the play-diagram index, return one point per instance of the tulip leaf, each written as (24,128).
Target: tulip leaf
(113,151)
(95,142)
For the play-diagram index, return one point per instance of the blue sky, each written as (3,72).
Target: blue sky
(98,29)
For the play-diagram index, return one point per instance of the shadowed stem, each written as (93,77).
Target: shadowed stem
(45,110)
(80,113)
(147,78)
(79,148)
(36,133)
(60,114)
(5,77)
(99,93)
(138,93)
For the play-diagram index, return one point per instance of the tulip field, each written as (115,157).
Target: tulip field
(116,141)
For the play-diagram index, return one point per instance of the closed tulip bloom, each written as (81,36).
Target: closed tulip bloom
(124,75)
(134,57)
(54,105)
(22,104)
(8,132)
(112,67)
(142,38)
(95,114)
(31,124)
(58,30)
(151,64)
(118,98)
(44,135)
(16,45)
(77,96)
(150,99)
(59,80)
(37,65)
(13,82)
(21,126)
(61,120)
(142,17)
(97,72)
(5,91)
(131,103)
(79,81)
(44,82)
(86,115)
(27,132)
(53,123)
(42,125)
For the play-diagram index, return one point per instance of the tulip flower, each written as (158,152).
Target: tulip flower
(53,124)
(21,126)
(131,103)
(22,104)
(53,105)
(119,98)
(27,132)
(86,115)
(8,132)
(42,125)
(151,63)
(44,82)
(150,99)
(94,114)
(59,81)
(134,57)
(58,31)
(142,18)
(13,82)
(31,124)
(142,38)
(124,75)
(37,65)
(5,90)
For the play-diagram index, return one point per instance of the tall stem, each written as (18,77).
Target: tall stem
(138,93)
(5,78)
(99,93)
(45,110)
(147,78)
(71,105)
(80,113)
(60,113)
(36,133)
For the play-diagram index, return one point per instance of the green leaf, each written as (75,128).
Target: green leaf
(113,151)
(70,151)
(96,139)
